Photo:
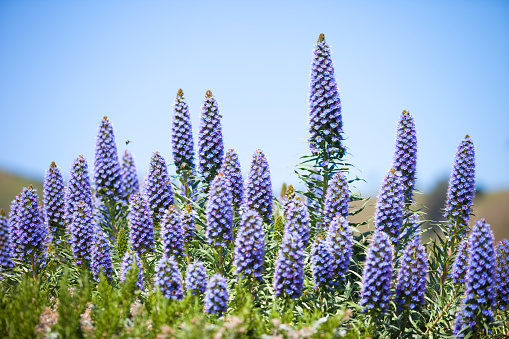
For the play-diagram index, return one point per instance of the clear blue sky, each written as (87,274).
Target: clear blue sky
(66,64)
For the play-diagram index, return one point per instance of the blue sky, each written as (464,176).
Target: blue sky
(66,64)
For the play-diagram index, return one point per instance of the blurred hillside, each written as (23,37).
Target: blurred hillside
(11,185)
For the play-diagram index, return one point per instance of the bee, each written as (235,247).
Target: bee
(128,142)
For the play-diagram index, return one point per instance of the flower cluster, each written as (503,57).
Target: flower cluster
(108,180)
(182,135)
(233,175)
(32,232)
(405,154)
(290,195)
(377,275)
(216,295)
(297,220)
(250,246)
(54,200)
(258,193)
(171,233)
(461,187)
(390,206)
(187,217)
(336,199)
(129,175)
(158,187)
(460,265)
(210,138)
(322,263)
(13,227)
(78,188)
(140,225)
(5,246)
(411,284)
(480,294)
(101,256)
(82,235)
(219,213)
(340,240)
(196,277)
(168,279)
(127,265)
(122,241)
(289,267)
(325,121)
(502,274)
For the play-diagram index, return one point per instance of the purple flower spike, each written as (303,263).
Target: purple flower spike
(322,263)
(54,200)
(210,139)
(219,213)
(101,255)
(258,193)
(250,246)
(289,269)
(127,264)
(377,275)
(233,175)
(297,220)
(168,279)
(411,285)
(13,227)
(141,229)
(108,179)
(78,188)
(187,217)
(5,242)
(480,295)
(196,277)
(336,199)
(158,187)
(216,295)
(340,240)
(129,175)
(82,234)
(325,121)
(502,275)
(182,135)
(460,265)
(171,233)
(461,187)
(405,154)
(390,206)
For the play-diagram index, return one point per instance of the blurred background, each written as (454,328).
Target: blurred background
(64,65)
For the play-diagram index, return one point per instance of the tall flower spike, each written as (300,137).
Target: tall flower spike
(288,199)
(13,227)
(101,256)
(322,263)
(182,135)
(127,264)
(480,295)
(502,275)
(219,213)
(5,243)
(158,187)
(196,277)
(82,235)
(210,138)
(340,240)
(258,193)
(129,175)
(460,265)
(461,187)
(325,121)
(168,278)
(109,184)
(78,188)
(405,154)
(187,216)
(336,199)
(390,206)
(233,175)
(216,295)
(297,220)
(32,240)
(377,275)
(140,225)
(171,233)
(250,246)
(289,267)
(54,200)
(411,285)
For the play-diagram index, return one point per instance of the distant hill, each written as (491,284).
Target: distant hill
(12,184)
